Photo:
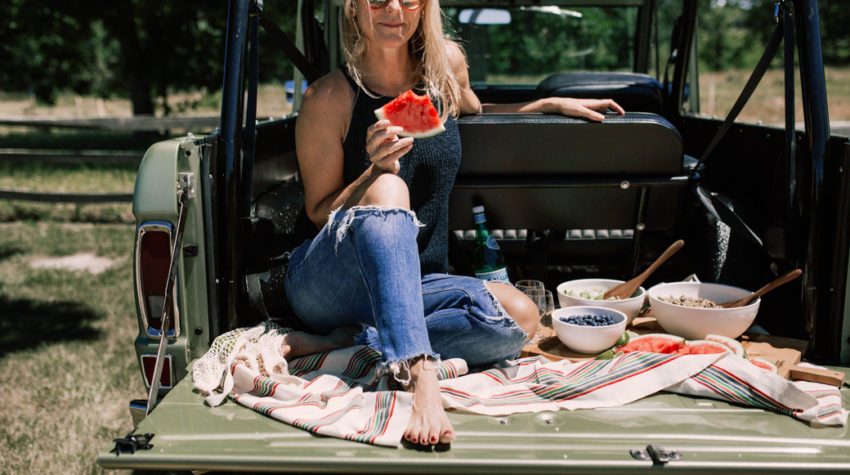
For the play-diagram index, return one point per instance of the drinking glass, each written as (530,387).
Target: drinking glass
(545,302)
(527,285)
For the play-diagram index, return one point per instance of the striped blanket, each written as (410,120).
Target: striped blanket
(338,393)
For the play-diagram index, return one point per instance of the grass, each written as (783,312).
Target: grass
(20,137)
(66,358)
(719,90)
(66,178)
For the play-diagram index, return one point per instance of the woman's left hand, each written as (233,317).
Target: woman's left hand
(593,109)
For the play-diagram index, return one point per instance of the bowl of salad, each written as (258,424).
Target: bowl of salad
(693,309)
(590,292)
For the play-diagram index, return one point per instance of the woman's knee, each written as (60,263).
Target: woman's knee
(517,305)
(387,189)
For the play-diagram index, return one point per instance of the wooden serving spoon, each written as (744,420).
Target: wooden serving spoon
(784,278)
(627,288)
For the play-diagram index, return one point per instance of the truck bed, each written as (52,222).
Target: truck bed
(707,435)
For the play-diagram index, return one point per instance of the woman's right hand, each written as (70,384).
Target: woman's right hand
(384,147)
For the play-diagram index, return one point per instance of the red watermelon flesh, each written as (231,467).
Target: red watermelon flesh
(652,345)
(414,113)
(764,364)
(702,348)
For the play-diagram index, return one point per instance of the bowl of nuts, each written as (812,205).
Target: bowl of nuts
(588,329)
(694,309)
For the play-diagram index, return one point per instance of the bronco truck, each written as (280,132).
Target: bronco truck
(566,198)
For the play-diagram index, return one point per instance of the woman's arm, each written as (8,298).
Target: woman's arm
(592,109)
(469,103)
(320,130)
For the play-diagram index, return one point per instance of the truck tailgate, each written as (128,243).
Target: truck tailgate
(707,435)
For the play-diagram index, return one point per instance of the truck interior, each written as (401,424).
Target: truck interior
(570,199)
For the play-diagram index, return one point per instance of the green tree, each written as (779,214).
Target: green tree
(723,39)
(835,31)
(834,17)
(141,49)
(44,46)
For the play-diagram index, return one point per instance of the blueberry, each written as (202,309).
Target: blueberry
(588,320)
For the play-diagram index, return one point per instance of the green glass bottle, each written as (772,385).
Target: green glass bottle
(487,259)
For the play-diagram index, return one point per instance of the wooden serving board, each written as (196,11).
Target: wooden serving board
(785,353)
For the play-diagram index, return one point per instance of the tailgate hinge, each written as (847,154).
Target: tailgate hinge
(131,443)
(658,454)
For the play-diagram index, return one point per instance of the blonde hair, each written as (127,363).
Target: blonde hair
(428,46)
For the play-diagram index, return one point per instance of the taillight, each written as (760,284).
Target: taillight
(148,365)
(153,261)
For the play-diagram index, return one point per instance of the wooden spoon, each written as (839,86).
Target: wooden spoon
(627,288)
(786,277)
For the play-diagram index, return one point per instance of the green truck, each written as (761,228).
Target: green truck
(566,199)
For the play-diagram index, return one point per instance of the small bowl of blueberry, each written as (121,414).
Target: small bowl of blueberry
(588,329)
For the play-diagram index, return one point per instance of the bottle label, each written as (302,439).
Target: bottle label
(495,275)
(491,243)
(479,218)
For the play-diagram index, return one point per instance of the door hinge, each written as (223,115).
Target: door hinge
(658,454)
(131,443)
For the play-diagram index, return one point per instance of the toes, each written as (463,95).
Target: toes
(425,434)
(447,436)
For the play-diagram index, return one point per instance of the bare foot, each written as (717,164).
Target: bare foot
(301,343)
(428,422)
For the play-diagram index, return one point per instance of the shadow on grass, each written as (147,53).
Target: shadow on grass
(26,323)
(8,250)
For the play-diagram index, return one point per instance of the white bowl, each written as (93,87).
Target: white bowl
(694,323)
(587,339)
(630,306)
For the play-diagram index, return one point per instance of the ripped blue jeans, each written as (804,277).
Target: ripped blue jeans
(363,269)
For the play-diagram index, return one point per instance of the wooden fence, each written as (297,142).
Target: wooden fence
(137,123)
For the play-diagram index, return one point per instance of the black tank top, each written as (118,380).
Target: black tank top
(428,169)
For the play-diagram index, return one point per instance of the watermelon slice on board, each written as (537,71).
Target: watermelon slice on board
(702,347)
(731,343)
(764,364)
(414,113)
(654,343)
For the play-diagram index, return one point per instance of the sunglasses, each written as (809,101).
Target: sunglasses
(406,4)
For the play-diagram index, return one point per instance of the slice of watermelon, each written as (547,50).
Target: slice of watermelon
(702,347)
(731,343)
(414,113)
(764,364)
(654,343)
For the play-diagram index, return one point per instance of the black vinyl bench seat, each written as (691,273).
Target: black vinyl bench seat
(577,180)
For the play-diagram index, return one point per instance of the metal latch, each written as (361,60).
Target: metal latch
(186,184)
(658,454)
(131,443)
